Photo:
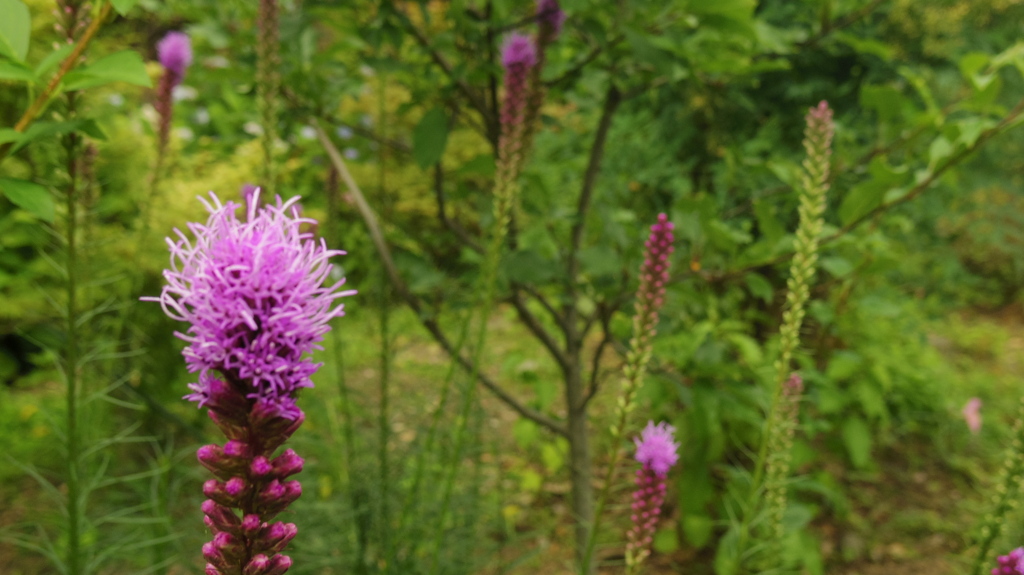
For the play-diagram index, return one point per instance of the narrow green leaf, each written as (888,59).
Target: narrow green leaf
(125,66)
(9,135)
(15,29)
(430,138)
(11,70)
(123,6)
(53,58)
(29,196)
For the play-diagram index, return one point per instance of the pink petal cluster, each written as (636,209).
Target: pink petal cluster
(175,54)
(972,414)
(518,56)
(254,297)
(655,448)
(1010,564)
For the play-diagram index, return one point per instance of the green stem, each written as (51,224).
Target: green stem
(74,560)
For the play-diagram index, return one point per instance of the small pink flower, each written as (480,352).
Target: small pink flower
(972,414)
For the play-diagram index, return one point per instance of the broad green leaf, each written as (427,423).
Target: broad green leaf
(885,100)
(759,287)
(940,149)
(971,129)
(528,266)
(9,135)
(843,365)
(868,195)
(600,261)
(430,138)
(123,6)
(29,196)
(11,70)
(125,66)
(482,165)
(857,438)
(53,58)
(837,266)
(865,45)
(15,29)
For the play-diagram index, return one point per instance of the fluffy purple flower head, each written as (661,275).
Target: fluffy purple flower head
(655,448)
(175,53)
(253,294)
(518,53)
(550,14)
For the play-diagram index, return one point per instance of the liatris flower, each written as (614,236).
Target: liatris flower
(550,17)
(252,293)
(657,453)
(518,56)
(649,299)
(972,414)
(1010,564)
(780,444)
(175,54)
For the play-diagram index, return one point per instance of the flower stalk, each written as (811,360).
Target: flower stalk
(1005,499)
(649,299)
(777,436)
(657,453)
(253,297)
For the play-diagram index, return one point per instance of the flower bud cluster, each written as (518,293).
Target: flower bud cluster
(251,486)
(1010,564)
(174,52)
(657,453)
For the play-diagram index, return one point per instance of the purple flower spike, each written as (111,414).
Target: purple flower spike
(517,52)
(253,294)
(550,15)
(657,453)
(655,448)
(175,54)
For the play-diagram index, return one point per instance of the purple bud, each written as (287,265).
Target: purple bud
(251,524)
(261,466)
(258,565)
(211,570)
(287,464)
(279,564)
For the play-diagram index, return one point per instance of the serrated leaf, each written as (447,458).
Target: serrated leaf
(16,71)
(430,138)
(53,58)
(123,6)
(857,439)
(30,197)
(15,29)
(125,66)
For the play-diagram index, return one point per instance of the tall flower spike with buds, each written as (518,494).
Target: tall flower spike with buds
(174,52)
(549,20)
(252,293)
(657,453)
(1006,496)
(778,433)
(649,298)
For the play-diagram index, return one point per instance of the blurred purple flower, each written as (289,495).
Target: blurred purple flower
(518,51)
(655,448)
(175,54)
(972,414)
(550,14)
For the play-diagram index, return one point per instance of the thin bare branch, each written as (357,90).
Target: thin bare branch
(538,330)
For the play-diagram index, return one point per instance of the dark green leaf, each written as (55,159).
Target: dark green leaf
(29,196)
(868,195)
(429,138)
(125,66)
(759,287)
(15,29)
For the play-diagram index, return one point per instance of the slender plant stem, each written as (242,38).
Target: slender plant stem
(383,414)
(74,557)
